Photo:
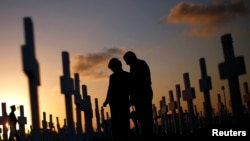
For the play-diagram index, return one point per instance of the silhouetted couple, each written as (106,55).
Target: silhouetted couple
(130,89)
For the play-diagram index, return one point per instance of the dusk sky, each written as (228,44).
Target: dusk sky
(170,35)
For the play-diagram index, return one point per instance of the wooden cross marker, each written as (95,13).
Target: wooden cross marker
(88,113)
(230,70)
(97,115)
(31,69)
(163,113)
(180,111)
(173,106)
(22,120)
(205,87)
(4,121)
(189,95)
(67,90)
(78,100)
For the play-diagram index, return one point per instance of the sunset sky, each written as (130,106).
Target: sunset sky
(170,35)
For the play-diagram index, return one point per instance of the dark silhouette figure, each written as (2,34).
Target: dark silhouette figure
(141,92)
(13,121)
(118,100)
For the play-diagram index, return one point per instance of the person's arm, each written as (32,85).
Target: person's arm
(107,100)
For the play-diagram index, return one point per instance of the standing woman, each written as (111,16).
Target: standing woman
(118,100)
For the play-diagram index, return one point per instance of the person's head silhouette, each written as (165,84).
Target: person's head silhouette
(13,108)
(130,57)
(115,64)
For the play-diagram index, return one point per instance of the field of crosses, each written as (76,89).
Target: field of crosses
(169,120)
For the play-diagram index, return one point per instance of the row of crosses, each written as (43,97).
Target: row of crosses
(191,120)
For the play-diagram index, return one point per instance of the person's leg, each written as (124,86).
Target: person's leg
(146,120)
(124,129)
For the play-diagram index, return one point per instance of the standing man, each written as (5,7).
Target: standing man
(13,121)
(141,92)
(118,100)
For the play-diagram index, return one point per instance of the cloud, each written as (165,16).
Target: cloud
(206,17)
(94,65)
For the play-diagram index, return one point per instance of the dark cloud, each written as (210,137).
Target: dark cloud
(206,17)
(94,65)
